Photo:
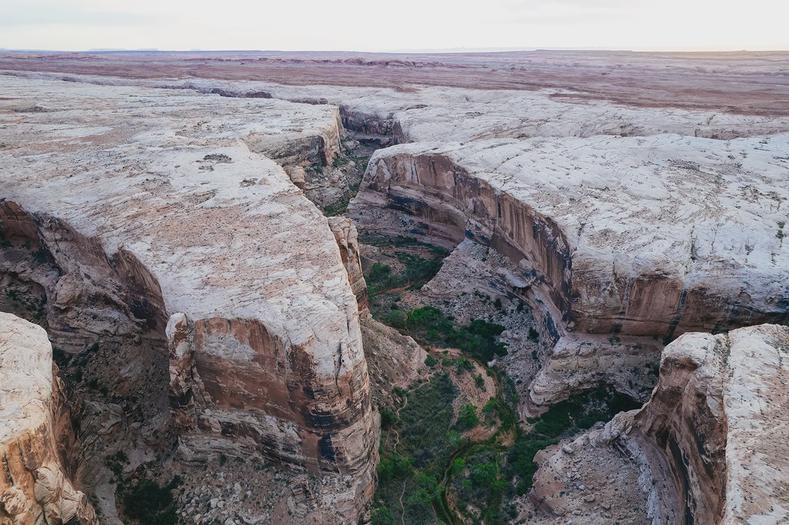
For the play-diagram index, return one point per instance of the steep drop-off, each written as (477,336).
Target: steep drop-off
(200,274)
(36,437)
(641,238)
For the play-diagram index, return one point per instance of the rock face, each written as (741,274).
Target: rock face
(644,237)
(311,157)
(35,485)
(577,361)
(176,226)
(348,241)
(214,250)
(712,441)
(709,447)
(585,480)
(718,415)
(620,236)
(395,360)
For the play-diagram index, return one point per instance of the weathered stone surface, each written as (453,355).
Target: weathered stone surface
(629,364)
(646,237)
(394,360)
(449,114)
(348,241)
(638,236)
(708,448)
(264,331)
(584,480)
(712,441)
(104,316)
(34,429)
(624,227)
(719,415)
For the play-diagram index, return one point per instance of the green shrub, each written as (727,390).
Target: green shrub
(484,474)
(431,361)
(424,422)
(479,381)
(426,490)
(454,438)
(382,516)
(463,365)
(458,465)
(388,418)
(395,318)
(467,418)
(393,466)
(151,504)
(477,339)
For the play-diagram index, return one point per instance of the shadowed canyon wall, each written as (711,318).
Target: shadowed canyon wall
(432,197)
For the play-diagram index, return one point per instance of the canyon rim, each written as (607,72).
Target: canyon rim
(466,288)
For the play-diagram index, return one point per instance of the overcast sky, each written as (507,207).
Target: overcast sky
(395,25)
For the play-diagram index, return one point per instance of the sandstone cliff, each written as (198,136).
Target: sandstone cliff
(618,231)
(643,237)
(710,447)
(156,221)
(348,241)
(718,417)
(36,485)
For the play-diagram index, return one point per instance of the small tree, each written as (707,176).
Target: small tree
(468,417)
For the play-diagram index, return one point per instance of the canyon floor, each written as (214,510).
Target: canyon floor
(526,287)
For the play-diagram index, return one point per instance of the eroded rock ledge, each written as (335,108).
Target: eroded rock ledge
(262,326)
(718,419)
(644,237)
(625,235)
(36,482)
(709,447)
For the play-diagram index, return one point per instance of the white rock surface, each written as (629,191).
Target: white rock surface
(34,487)
(712,442)
(169,179)
(25,376)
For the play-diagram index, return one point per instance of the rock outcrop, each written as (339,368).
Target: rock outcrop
(718,420)
(312,157)
(711,444)
(585,480)
(394,360)
(348,241)
(645,237)
(577,361)
(623,227)
(262,327)
(35,433)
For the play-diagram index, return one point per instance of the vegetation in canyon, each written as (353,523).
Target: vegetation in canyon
(447,461)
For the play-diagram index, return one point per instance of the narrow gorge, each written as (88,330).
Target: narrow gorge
(281,303)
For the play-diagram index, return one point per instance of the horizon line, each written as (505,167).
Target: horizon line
(479,50)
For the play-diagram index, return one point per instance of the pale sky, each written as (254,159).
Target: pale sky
(395,25)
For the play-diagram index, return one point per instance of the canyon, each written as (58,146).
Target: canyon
(293,292)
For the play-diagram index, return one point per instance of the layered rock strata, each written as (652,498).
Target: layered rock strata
(347,239)
(262,326)
(644,237)
(465,124)
(648,236)
(36,485)
(711,444)
(717,420)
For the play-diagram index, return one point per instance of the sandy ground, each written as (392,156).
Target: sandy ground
(742,82)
